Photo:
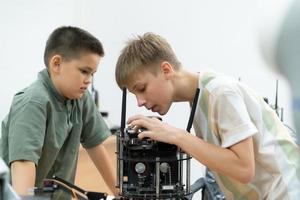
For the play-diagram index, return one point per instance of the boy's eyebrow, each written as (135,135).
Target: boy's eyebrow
(132,88)
(136,85)
(89,68)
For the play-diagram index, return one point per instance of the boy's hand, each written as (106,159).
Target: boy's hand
(236,161)
(155,129)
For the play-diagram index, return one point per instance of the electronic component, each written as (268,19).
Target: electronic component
(149,169)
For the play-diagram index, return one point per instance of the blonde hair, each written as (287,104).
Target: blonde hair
(141,53)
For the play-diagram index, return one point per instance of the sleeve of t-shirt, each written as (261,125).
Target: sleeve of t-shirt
(27,132)
(232,119)
(95,130)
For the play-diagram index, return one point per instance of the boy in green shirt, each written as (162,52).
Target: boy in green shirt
(49,119)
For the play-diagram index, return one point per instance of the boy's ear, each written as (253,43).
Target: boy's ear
(166,69)
(55,63)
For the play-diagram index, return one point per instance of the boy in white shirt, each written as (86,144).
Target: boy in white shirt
(238,136)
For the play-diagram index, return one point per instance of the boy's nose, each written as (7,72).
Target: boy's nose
(141,102)
(88,79)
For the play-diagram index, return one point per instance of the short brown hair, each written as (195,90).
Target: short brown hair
(141,53)
(70,42)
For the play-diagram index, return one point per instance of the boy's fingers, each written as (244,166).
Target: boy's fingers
(140,123)
(141,135)
(135,117)
(144,134)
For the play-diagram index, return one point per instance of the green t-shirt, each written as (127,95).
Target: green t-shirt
(46,128)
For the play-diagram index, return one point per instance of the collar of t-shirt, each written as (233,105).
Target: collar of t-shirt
(45,77)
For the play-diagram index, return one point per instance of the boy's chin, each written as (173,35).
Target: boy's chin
(162,112)
(74,97)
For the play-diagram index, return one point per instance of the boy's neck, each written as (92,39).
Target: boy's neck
(185,84)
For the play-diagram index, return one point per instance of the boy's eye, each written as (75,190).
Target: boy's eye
(84,71)
(142,89)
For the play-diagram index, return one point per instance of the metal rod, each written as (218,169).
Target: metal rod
(121,168)
(157,175)
(276,99)
(123,114)
(120,152)
(180,170)
(118,158)
(188,169)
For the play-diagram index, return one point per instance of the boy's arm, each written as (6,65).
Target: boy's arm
(236,161)
(23,176)
(104,158)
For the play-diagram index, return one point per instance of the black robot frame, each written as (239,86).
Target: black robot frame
(148,169)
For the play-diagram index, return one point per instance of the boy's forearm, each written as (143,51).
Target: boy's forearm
(236,162)
(104,162)
(23,175)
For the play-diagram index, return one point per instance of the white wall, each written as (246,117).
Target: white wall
(204,33)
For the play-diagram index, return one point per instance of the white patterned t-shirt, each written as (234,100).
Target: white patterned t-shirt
(229,112)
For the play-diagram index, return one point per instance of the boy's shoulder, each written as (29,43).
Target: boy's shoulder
(36,92)
(213,81)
